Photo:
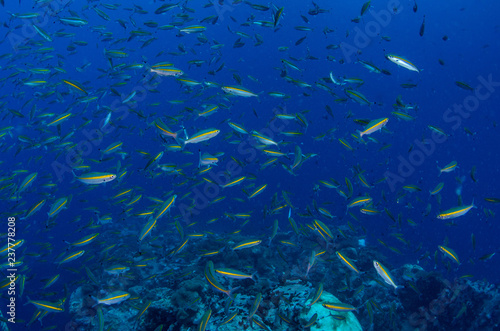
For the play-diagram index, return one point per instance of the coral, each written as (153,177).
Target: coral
(463,305)
(157,316)
(81,306)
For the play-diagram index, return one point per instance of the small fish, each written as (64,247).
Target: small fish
(96,178)
(193,29)
(365,7)
(204,320)
(437,189)
(422,28)
(347,262)
(372,126)
(71,257)
(238,91)
(357,97)
(247,244)
(48,306)
(113,298)
(450,253)
(277,16)
(339,306)
(464,86)
(385,274)
(402,62)
(455,212)
(200,136)
(486,257)
(448,168)
(167,72)
(234,274)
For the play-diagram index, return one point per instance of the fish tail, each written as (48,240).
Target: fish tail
(230,292)
(179,140)
(440,171)
(97,301)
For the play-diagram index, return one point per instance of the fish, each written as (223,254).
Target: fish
(59,119)
(437,189)
(365,7)
(147,229)
(238,91)
(450,253)
(73,21)
(372,126)
(57,206)
(255,306)
(347,262)
(85,240)
(455,212)
(234,182)
(210,277)
(42,32)
(70,257)
(422,28)
(402,62)
(263,138)
(200,136)
(96,178)
(51,281)
(204,320)
(246,244)
(357,97)
(311,321)
(237,127)
(167,72)
(317,295)
(385,274)
(257,191)
(464,86)
(75,86)
(448,168)
(339,306)
(27,182)
(36,207)
(234,274)
(193,29)
(47,306)
(115,297)
(165,207)
(277,16)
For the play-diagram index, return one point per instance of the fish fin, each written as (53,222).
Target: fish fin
(230,293)
(97,301)
(180,141)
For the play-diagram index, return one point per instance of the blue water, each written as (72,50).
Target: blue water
(469,54)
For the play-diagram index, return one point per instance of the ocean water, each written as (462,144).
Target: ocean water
(86,71)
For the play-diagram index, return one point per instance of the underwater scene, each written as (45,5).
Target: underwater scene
(249,165)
